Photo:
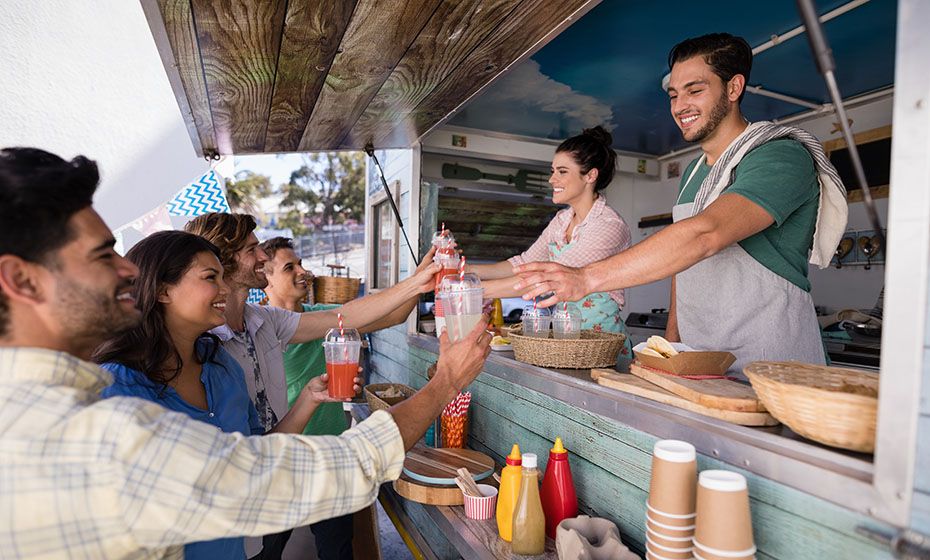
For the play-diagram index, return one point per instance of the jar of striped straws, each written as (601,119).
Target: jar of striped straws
(454,421)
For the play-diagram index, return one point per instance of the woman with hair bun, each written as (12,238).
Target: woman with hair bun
(587,231)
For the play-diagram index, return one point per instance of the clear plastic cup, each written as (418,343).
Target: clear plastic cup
(536,322)
(341,347)
(566,322)
(462,304)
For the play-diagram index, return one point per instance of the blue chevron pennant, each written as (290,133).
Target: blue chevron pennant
(200,197)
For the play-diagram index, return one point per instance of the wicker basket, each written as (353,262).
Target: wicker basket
(831,405)
(335,289)
(377,403)
(592,350)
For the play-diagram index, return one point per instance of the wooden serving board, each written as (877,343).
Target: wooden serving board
(642,388)
(712,393)
(438,466)
(431,494)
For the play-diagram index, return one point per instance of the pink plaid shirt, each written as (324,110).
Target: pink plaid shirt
(602,234)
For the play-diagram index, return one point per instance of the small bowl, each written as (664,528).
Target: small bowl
(484,507)
(429,327)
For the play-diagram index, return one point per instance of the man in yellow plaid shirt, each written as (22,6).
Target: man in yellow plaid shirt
(82,477)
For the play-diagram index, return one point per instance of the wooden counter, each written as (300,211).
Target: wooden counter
(807,500)
(470,538)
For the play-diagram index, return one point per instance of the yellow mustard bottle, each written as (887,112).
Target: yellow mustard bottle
(508,493)
(529,522)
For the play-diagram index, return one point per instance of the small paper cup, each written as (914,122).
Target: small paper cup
(673,481)
(724,522)
(661,539)
(671,551)
(673,519)
(686,531)
(703,554)
(484,507)
(658,555)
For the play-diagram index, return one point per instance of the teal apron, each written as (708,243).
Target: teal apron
(599,311)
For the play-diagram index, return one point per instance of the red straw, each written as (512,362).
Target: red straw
(462,269)
(442,230)
(339,320)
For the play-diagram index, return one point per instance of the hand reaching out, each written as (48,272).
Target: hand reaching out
(318,388)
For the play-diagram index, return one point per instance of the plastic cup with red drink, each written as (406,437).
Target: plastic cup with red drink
(342,347)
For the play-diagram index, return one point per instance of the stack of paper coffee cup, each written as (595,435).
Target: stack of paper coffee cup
(670,508)
(723,524)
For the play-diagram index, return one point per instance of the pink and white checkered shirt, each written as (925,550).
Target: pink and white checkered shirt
(602,234)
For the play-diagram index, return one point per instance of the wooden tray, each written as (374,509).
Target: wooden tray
(640,387)
(723,394)
(438,465)
(431,494)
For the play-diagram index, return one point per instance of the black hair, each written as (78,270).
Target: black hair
(275,244)
(727,55)
(163,258)
(592,150)
(39,192)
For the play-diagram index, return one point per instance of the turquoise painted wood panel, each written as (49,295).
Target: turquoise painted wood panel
(611,462)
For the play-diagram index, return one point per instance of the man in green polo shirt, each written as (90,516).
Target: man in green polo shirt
(759,204)
(288,288)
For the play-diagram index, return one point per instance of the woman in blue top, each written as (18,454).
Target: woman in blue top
(171,359)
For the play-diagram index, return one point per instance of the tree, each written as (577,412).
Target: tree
(329,188)
(244,192)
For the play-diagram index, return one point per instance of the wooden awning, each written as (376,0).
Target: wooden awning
(264,76)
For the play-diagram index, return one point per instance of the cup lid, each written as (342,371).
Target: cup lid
(562,312)
(674,451)
(456,283)
(722,481)
(341,336)
(532,311)
(443,238)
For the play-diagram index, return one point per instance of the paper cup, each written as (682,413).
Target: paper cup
(702,554)
(674,479)
(484,507)
(658,555)
(660,539)
(671,551)
(723,523)
(669,530)
(673,519)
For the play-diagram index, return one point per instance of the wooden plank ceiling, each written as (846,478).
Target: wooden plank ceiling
(267,76)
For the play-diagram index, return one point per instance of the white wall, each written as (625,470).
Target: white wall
(86,78)
(850,287)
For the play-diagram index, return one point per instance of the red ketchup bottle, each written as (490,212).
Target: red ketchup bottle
(558,491)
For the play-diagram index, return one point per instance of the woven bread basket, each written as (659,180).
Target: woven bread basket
(335,289)
(592,350)
(831,405)
(377,403)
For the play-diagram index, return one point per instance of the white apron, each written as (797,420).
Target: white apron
(731,302)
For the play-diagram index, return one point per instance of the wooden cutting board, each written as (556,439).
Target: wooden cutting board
(712,393)
(428,474)
(432,494)
(642,388)
(439,465)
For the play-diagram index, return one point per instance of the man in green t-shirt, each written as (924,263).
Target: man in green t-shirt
(288,288)
(759,202)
